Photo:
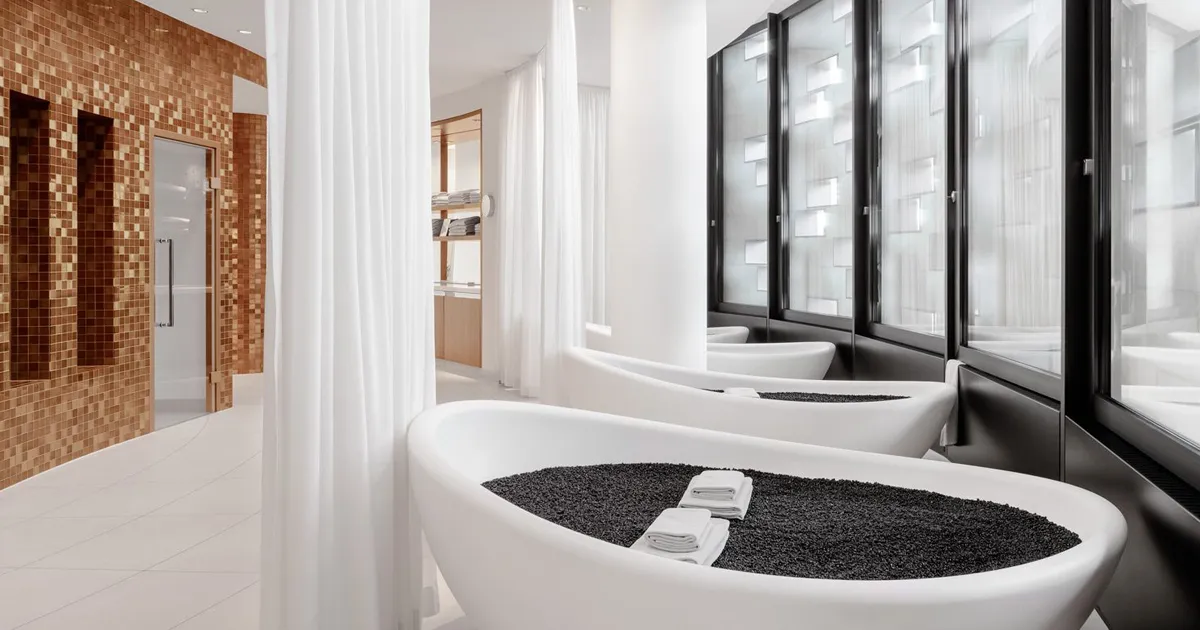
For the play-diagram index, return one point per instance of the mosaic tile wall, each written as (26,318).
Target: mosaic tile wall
(146,72)
(250,165)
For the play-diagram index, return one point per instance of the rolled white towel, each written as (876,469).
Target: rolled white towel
(743,392)
(710,548)
(679,529)
(718,485)
(735,508)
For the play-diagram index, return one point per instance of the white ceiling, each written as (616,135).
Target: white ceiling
(224,19)
(475,40)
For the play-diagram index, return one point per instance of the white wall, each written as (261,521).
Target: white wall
(490,96)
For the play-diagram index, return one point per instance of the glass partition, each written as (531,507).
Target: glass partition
(1015,180)
(1156,212)
(745,68)
(913,183)
(820,160)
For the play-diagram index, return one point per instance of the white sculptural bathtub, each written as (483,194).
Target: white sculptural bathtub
(728,334)
(729,352)
(609,383)
(511,570)
(599,336)
(802,360)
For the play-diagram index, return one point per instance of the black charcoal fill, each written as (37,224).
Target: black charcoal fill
(812,528)
(817,397)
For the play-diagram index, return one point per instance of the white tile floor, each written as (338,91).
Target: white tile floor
(162,532)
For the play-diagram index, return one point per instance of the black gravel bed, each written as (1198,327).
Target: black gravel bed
(800,527)
(816,397)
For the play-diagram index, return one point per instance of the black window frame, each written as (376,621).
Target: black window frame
(1082,391)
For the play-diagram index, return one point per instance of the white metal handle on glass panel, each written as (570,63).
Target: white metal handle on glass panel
(170,243)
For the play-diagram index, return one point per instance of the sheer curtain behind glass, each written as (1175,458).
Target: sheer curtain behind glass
(521,221)
(745,253)
(1155,184)
(593,134)
(820,126)
(1015,179)
(349,359)
(912,288)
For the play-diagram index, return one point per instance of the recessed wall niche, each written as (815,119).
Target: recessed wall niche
(96,213)
(29,237)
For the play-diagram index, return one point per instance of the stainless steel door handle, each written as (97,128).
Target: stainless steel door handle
(170,243)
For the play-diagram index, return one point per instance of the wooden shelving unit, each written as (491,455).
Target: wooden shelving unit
(467,208)
(451,239)
(458,315)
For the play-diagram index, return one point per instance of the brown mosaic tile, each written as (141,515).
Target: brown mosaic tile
(75,343)
(250,167)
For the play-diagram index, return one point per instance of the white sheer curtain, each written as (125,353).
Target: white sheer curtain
(593,151)
(562,259)
(521,221)
(349,312)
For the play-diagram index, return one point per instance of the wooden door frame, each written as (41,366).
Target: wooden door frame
(213,354)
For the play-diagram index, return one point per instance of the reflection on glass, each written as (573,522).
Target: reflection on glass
(1156,212)
(913,166)
(1015,179)
(820,128)
(746,169)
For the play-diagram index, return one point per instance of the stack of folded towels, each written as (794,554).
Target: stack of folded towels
(725,493)
(464,227)
(441,199)
(437,227)
(464,197)
(687,535)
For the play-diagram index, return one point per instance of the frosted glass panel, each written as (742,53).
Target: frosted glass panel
(820,157)
(1015,179)
(182,284)
(746,170)
(912,208)
(1156,213)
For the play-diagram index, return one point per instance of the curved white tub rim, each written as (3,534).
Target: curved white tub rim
(1020,578)
(766,383)
(797,348)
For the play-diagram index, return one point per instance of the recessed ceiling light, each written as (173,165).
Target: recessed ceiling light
(583,7)
(245,32)
(162,30)
(199,10)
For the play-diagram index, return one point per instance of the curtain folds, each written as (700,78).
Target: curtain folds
(349,312)
(593,150)
(521,225)
(562,259)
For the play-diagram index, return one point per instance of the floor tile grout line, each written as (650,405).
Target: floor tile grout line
(168,559)
(132,575)
(98,489)
(139,517)
(28,565)
(239,592)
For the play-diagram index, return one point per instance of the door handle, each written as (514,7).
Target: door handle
(170,243)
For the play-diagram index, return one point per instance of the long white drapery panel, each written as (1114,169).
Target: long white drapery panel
(349,312)
(593,150)
(562,259)
(521,222)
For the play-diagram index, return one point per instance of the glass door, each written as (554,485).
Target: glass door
(182,282)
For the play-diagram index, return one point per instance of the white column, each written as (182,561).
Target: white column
(657,210)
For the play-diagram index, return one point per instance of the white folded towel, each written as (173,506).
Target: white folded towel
(679,529)
(710,549)
(735,508)
(718,485)
(743,392)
